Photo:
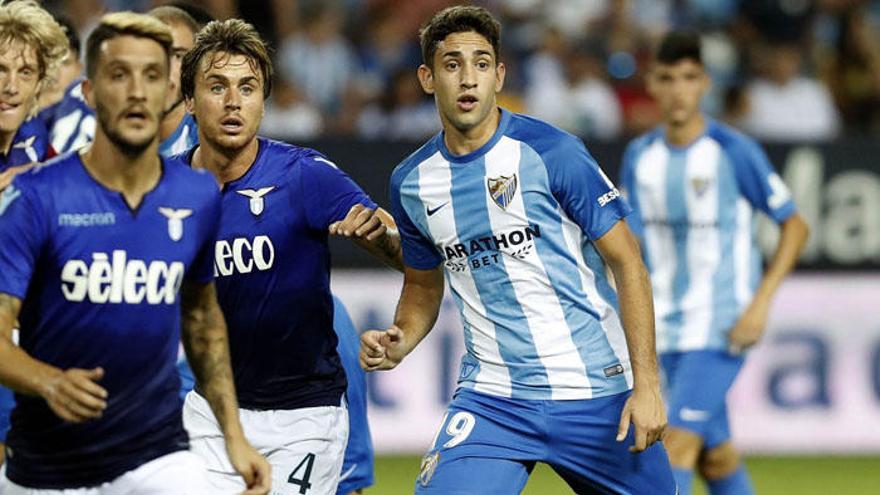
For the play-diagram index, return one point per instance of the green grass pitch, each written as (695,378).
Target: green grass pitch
(770,475)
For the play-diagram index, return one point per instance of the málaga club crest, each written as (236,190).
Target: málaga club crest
(502,189)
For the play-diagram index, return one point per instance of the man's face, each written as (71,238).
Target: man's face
(19,78)
(227,100)
(183,42)
(464,80)
(128,91)
(678,89)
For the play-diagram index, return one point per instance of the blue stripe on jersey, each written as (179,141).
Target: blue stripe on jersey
(495,290)
(724,314)
(676,211)
(558,263)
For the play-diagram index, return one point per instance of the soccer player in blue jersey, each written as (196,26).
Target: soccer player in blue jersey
(105,281)
(32,45)
(280,203)
(523,222)
(695,185)
(357,467)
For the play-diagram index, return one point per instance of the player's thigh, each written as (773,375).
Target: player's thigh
(207,442)
(309,461)
(697,389)
(585,452)
(485,444)
(181,473)
(472,476)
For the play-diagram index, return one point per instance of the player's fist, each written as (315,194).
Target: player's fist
(750,326)
(74,394)
(360,223)
(253,467)
(643,409)
(382,349)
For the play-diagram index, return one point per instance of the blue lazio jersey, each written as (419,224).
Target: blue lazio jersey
(100,287)
(695,218)
(272,264)
(71,121)
(30,145)
(513,223)
(182,139)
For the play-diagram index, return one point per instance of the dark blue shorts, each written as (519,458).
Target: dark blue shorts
(7,403)
(489,445)
(696,388)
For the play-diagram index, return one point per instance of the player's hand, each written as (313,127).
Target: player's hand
(75,396)
(645,411)
(253,467)
(7,175)
(382,349)
(750,326)
(360,223)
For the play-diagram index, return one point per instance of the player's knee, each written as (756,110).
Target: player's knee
(719,462)
(682,447)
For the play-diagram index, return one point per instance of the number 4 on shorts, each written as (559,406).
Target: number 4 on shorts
(303,482)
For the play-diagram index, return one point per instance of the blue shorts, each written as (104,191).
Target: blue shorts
(696,388)
(7,403)
(489,445)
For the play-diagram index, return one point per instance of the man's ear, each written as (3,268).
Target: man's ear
(88,90)
(426,79)
(500,73)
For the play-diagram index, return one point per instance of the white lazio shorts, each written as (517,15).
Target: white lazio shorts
(305,446)
(180,473)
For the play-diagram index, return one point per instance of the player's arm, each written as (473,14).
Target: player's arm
(7,175)
(751,324)
(644,409)
(207,351)
(416,313)
(73,394)
(373,230)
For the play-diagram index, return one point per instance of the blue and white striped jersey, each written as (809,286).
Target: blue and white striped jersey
(694,214)
(513,223)
(182,139)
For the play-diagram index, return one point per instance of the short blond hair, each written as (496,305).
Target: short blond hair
(126,24)
(25,22)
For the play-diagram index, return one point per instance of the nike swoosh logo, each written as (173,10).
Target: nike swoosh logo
(695,415)
(348,472)
(431,211)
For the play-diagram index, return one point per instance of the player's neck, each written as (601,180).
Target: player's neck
(461,143)
(171,121)
(687,132)
(133,175)
(226,165)
(6,141)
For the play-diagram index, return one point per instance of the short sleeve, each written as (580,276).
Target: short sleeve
(629,190)
(22,234)
(328,193)
(759,183)
(201,270)
(419,252)
(583,190)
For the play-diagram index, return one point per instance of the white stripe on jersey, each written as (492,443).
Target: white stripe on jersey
(545,317)
(435,184)
(742,252)
(703,243)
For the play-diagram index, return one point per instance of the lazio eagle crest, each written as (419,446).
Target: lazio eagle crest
(502,189)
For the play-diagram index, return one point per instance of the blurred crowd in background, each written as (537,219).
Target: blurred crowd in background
(783,70)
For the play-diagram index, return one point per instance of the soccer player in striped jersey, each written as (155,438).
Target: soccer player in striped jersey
(695,185)
(272,261)
(558,367)
(106,281)
(32,45)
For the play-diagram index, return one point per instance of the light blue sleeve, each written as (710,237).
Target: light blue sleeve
(629,188)
(583,190)
(758,182)
(418,251)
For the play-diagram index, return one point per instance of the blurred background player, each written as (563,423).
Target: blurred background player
(32,46)
(524,222)
(101,310)
(272,263)
(357,467)
(695,184)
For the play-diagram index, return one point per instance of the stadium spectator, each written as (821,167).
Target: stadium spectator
(289,115)
(403,113)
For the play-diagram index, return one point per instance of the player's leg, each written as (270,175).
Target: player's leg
(308,458)
(181,473)
(697,385)
(207,442)
(485,445)
(584,451)
(720,463)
